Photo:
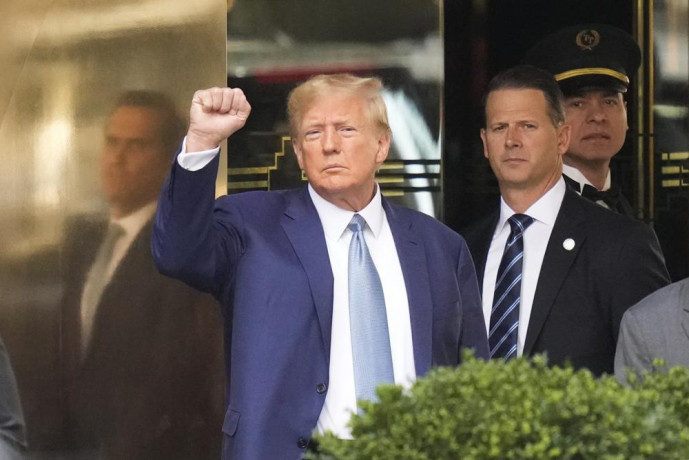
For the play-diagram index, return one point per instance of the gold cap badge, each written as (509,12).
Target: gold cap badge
(588,39)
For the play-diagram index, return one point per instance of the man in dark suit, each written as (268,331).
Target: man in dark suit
(583,265)
(142,353)
(283,263)
(592,64)
(12,426)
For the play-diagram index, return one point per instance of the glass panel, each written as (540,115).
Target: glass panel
(273,45)
(671,132)
(149,382)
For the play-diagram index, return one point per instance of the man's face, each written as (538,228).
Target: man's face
(339,148)
(599,125)
(522,145)
(133,162)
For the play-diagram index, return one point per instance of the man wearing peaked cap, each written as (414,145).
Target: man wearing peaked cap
(592,64)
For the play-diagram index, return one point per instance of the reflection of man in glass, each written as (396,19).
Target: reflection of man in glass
(142,357)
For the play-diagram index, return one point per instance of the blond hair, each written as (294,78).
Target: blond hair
(368,89)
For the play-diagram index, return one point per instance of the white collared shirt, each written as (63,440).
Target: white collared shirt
(576,175)
(536,237)
(340,401)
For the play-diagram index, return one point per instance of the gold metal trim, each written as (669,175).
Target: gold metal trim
(670,170)
(258,170)
(243,171)
(672,183)
(389,179)
(639,170)
(250,184)
(392,165)
(393,193)
(650,59)
(675,156)
(592,71)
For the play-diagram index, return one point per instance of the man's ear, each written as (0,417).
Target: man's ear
(383,148)
(298,152)
(564,134)
(485,144)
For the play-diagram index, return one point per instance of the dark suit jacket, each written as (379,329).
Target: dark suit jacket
(264,255)
(621,205)
(582,293)
(151,382)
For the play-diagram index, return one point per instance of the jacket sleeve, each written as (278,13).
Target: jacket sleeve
(639,270)
(632,354)
(190,242)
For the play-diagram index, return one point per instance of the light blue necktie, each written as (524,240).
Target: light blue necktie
(368,320)
(504,317)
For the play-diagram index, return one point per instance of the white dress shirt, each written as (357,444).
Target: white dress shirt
(536,237)
(340,400)
(576,175)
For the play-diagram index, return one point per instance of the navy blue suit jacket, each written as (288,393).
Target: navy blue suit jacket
(264,256)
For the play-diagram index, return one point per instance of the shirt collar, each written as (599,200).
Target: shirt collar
(134,222)
(335,219)
(544,210)
(576,175)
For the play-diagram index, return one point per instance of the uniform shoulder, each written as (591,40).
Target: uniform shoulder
(599,216)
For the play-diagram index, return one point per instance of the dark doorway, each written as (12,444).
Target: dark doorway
(482,38)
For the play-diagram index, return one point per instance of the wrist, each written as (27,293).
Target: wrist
(198,143)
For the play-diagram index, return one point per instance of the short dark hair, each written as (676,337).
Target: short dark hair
(530,77)
(173,125)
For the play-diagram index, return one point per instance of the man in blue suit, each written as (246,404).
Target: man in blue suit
(278,263)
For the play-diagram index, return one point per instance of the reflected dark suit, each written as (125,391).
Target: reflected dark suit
(582,293)
(151,383)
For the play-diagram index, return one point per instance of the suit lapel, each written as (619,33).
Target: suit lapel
(557,262)
(412,257)
(305,232)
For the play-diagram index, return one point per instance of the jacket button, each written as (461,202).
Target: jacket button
(302,443)
(320,388)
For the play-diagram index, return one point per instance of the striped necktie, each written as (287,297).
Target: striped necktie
(504,316)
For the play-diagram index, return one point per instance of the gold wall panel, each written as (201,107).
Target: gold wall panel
(63,63)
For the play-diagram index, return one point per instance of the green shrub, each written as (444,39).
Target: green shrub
(522,409)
